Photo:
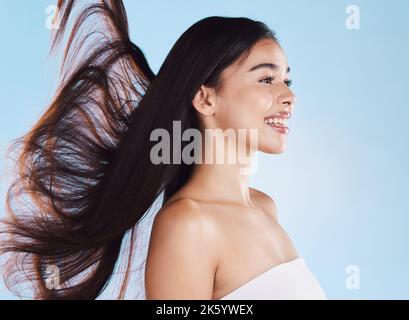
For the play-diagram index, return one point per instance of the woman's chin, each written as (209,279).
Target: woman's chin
(273,148)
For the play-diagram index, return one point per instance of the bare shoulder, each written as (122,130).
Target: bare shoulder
(182,255)
(184,214)
(265,202)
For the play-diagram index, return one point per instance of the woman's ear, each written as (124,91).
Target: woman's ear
(205,101)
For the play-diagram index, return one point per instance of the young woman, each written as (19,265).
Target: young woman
(86,167)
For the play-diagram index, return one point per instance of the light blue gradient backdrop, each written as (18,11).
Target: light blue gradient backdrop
(342,185)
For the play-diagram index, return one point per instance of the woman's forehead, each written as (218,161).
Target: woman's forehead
(266,51)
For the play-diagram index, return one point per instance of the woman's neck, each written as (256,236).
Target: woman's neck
(225,181)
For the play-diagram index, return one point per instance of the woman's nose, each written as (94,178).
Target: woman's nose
(288,100)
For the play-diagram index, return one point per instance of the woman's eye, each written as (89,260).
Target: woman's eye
(271,79)
(288,83)
(268,80)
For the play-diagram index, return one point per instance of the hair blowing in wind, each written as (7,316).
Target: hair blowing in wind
(85,177)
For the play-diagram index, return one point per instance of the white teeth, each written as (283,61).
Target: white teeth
(277,121)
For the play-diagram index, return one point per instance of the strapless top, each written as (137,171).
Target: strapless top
(287,281)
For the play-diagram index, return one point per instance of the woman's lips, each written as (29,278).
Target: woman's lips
(282,114)
(280,128)
(278,121)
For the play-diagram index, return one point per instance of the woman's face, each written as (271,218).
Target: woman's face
(254,91)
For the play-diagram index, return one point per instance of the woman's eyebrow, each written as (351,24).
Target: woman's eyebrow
(271,66)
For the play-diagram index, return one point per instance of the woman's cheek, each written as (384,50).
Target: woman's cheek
(245,106)
(264,100)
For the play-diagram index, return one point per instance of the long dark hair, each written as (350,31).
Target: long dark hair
(85,166)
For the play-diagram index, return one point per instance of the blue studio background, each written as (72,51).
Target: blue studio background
(342,185)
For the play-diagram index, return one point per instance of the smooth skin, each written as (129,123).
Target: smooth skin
(216,233)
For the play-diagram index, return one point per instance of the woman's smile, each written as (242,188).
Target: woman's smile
(278,122)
